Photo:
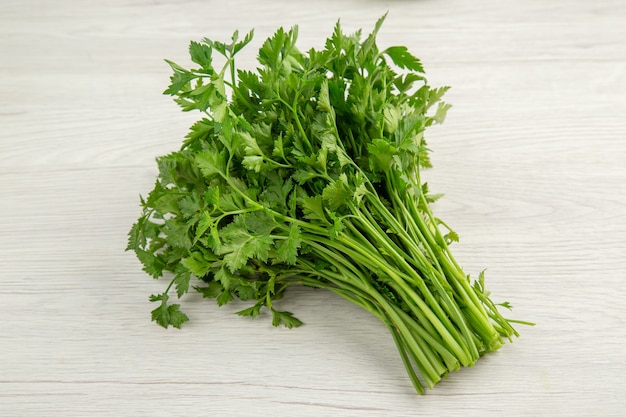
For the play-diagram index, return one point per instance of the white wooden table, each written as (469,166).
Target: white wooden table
(532,160)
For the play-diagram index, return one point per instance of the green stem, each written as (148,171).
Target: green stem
(457,278)
(412,233)
(429,364)
(373,262)
(427,269)
(294,110)
(347,292)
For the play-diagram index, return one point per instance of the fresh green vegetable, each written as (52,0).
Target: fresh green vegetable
(307,172)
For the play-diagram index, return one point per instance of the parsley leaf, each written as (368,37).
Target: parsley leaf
(167,314)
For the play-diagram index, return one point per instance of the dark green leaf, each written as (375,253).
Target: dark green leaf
(246,40)
(211,163)
(313,208)
(201,54)
(259,222)
(336,226)
(177,233)
(226,278)
(179,80)
(301,176)
(287,250)
(401,56)
(152,264)
(248,291)
(239,245)
(253,311)
(197,264)
(181,282)
(224,298)
(285,318)
(177,317)
(381,154)
(136,238)
(168,315)
(337,194)
(212,290)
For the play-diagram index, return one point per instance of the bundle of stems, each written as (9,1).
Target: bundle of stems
(308,172)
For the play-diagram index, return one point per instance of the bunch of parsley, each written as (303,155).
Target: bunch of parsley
(307,172)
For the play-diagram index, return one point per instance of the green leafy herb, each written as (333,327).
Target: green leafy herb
(308,172)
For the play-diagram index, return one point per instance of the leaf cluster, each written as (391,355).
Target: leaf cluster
(307,171)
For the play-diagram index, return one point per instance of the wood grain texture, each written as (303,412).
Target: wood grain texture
(531,160)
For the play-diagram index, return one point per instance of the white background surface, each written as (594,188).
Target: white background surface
(531,158)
